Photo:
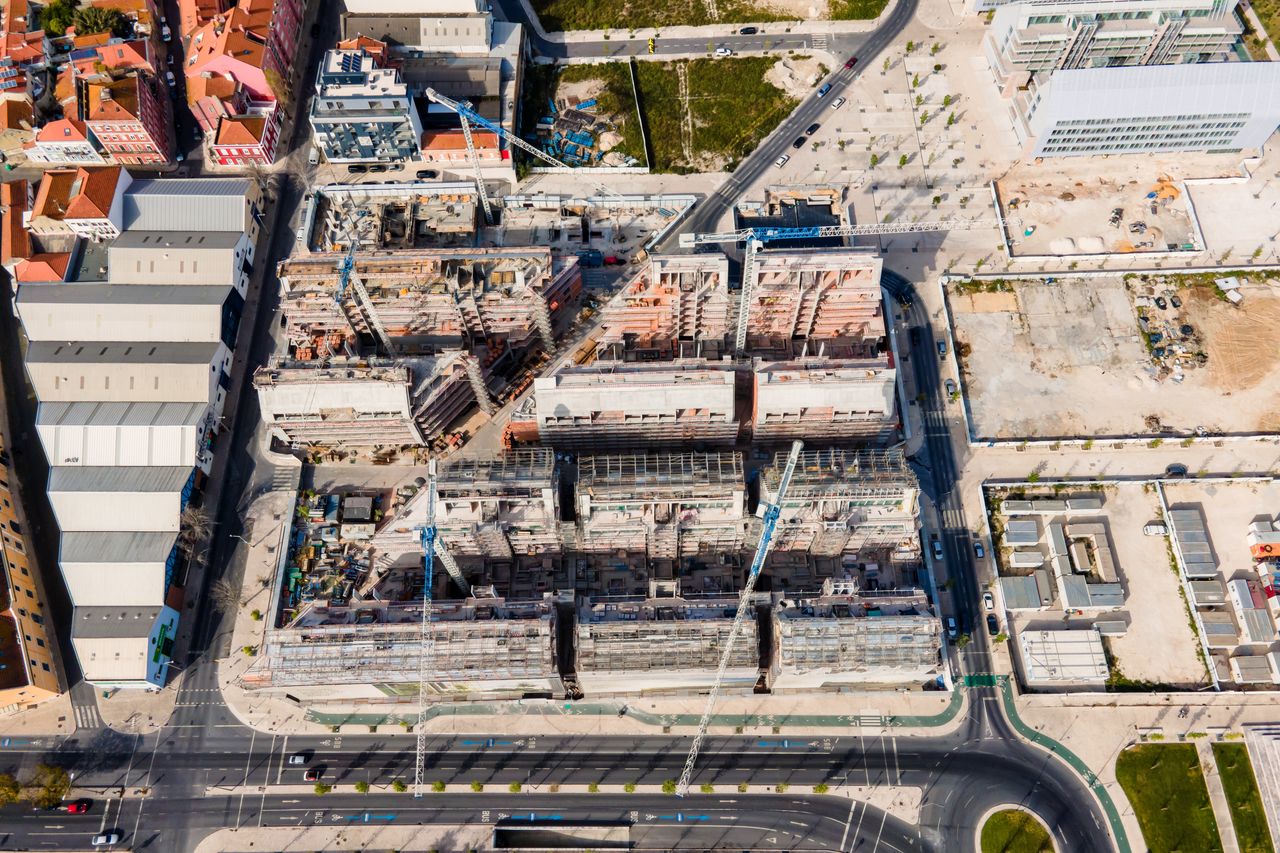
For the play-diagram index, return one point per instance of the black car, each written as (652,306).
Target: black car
(1161,303)
(1176,470)
(799,143)
(427,174)
(748,31)
(812,129)
(378,167)
(358,169)
(993,624)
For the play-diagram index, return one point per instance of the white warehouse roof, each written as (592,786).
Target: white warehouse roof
(126,372)
(175,258)
(1161,90)
(121,312)
(120,433)
(187,204)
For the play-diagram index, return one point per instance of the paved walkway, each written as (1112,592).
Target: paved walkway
(1217,796)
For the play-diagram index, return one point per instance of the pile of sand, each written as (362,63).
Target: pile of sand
(1063,246)
(796,77)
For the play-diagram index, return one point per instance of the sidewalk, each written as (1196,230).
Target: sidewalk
(1217,796)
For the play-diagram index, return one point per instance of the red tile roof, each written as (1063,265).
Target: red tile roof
(241,130)
(453,140)
(53,196)
(15,114)
(62,130)
(14,242)
(97,189)
(44,267)
(114,101)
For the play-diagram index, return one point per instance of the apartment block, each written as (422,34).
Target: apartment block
(32,669)
(846,502)
(665,505)
(84,202)
(485,300)
(675,307)
(1042,36)
(130,119)
(663,643)
(636,405)
(825,400)
(1228,106)
(814,301)
(363,403)
(362,112)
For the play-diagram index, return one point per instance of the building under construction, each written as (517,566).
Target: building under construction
(664,642)
(634,405)
(845,636)
(665,505)
(481,647)
(849,502)
(821,400)
(675,307)
(410,215)
(490,302)
(346,402)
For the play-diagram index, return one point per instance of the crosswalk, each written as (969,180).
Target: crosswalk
(84,707)
(819,41)
(284,479)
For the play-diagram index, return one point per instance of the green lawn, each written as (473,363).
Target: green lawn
(1167,791)
(733,108)
(1014,831)
(635,14)
(1242,796)
(1269,13)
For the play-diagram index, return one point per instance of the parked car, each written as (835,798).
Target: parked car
(950,385)
(782,161)
(170,79)
(313,157)
(378,167)
(1175,301)
(79,806)
(837,103)
(1177,469)
(850,62)
(812,129)
(297,759)
(1155,528)
(106,839)
(978,550)
(613,261)
(942,349)
(312,775)
(799,143)
(823,90)
(953,631)
(988,603)
(426,174)
(723,51)
(937,550)
(993,624)
(748,31)
(165,32)
(1162,303)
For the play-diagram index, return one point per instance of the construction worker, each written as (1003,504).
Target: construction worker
(651,45)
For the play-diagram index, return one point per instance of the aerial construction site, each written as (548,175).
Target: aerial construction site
(605,547)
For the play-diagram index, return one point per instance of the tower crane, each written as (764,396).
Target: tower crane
(755,238)
(469,116)
(431,548)
(769,512)
(347,276)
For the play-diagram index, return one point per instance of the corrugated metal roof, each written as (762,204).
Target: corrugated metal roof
(111,479)
(131,547)
(1163,90)
(123,294)
(186,204)
(1019,593)
(119,414)
(1259,627)
(168,241)
(113,622)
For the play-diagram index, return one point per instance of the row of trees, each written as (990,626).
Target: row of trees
(45,790)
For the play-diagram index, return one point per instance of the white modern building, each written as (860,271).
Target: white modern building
(1228,106)
(131,376)
(1041,36)
(362,113)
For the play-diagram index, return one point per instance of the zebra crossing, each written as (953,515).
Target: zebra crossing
(819,41)
(284,479)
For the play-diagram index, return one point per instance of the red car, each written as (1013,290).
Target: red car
(853,60)
(78,806)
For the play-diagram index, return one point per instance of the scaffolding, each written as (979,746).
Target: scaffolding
(675,307)
(658,476)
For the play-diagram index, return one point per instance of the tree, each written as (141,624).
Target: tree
(937,200)
(951,119)
(875,160)
(515,787)
(924,117)
(911,46)
(10,790)
(937,67)
(630,787)
(362,787)
(52,783)
(322,789)
(707,788)
(915,81)
(224,596)
(937,46)
(946,101)
(437,786)
(400,787)
(822,787)
(902,161)
(886,63)
(593,788)
(93,19)
(919,100)
(57,17)
(669,786)
(194,527)
(477,786)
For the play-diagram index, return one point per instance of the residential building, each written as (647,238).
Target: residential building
(818,399)
(362,112)
(32,669)
(675,306)
(17,127)
(130,119)
(1228,106)
(248,138)
(65,141)
(1042,36)
(85,202)
(15,239)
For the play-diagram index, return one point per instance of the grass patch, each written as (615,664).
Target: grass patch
(1269,13)
(1167,791)
(856,10)
(1014,831)
(634,14)
(1241,788)
(733,108)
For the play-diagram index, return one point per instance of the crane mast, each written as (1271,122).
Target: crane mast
(426,651)
(771,511)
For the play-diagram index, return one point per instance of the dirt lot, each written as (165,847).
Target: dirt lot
(1153,606)
(1071,216)
(1069,359)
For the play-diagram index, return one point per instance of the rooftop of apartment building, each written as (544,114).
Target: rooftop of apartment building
(478,476)
(659,476)
(85,193)
(837,471)
(353,74)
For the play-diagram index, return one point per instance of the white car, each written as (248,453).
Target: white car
(106,839)
(723,51)
(782,161)
(172,81)
(838,103)
(988,603)
(1155,528)
(165,32)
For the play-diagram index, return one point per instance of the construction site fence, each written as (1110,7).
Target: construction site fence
(590,170)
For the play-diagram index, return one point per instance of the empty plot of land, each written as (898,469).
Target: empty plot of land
(1068,359)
